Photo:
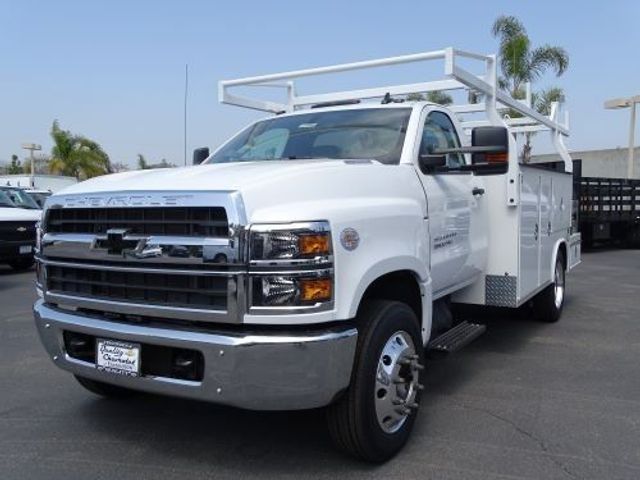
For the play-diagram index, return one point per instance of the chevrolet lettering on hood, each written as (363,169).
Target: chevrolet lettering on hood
(145,200)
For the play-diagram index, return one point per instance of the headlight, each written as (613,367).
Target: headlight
(291,266)
(302,290)
(295,243)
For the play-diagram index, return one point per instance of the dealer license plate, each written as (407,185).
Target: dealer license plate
(121,358)
(24,249)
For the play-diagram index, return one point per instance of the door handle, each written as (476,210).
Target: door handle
(477,191)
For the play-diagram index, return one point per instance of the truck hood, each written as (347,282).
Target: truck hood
(10,214)
(306,185)
(214,177)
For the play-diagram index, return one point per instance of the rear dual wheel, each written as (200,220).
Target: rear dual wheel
(374,418)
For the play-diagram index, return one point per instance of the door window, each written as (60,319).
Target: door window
(439,132)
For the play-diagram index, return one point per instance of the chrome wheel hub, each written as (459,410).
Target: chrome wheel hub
(397,382)
(558,286)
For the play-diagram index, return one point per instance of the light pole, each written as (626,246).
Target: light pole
(625,103)
(32,147)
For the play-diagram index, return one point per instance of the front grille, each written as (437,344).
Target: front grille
(17,231)
(172,290)
(179,221)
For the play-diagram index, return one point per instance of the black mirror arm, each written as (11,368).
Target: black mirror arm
(478,149)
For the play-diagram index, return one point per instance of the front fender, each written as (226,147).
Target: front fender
(395,264)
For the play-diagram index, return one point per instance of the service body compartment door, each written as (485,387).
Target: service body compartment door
(546,239)
(529,258)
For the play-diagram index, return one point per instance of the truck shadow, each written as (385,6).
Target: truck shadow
(185,432)
(7,270)
(189,433)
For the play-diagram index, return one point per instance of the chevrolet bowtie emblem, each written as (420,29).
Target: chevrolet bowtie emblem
(115,242)
(21,229)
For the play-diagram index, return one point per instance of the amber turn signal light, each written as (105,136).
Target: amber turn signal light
(314,244)
(316,290)
(497,157)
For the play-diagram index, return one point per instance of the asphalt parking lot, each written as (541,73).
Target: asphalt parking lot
(526,400)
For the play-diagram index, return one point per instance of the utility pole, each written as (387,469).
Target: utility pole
(186,90)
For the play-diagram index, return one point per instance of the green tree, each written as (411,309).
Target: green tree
(15,166)
(436,96)
(118,167)
(439,97)
(76,155)
(521,63)
(164,163)
(142,162)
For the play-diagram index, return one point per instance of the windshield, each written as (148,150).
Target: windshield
(5,201)
(21,198)
(372,133)
(39,197)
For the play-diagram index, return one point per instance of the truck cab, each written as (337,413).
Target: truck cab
(311,260)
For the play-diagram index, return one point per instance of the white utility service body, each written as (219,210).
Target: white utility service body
(397,232)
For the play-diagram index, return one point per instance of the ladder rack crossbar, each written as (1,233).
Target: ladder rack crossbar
(493,101)
(456,77)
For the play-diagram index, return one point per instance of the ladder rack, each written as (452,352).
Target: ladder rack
(493,101)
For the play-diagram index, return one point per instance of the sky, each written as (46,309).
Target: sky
(115,70)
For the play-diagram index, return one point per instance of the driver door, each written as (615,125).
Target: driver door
(455,220)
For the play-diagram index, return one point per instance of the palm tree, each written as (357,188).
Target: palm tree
(520,63)
(543,100)
(76,155)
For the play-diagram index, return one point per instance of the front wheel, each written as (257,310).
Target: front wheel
(547,306)
(374,418)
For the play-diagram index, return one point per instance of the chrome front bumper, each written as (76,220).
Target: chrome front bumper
(258,371)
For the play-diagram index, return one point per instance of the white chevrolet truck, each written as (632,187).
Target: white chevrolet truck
(311,260)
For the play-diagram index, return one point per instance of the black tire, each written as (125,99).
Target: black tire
(104,389)
(353,419)
(548,304)
(22,264)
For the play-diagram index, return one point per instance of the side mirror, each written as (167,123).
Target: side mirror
(200,155)
(490,150)
(489,153)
